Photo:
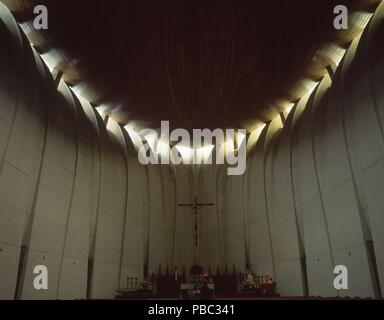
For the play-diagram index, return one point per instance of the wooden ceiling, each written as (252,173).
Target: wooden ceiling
(196,63)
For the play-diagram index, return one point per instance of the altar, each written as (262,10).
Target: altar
(197,291)
(258,286)
(199,285)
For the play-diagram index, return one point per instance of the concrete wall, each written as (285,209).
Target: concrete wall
(315,190)
(22,127)
(312,195)
(183,236)
(73,196)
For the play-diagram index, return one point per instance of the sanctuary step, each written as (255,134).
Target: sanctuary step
(134,295)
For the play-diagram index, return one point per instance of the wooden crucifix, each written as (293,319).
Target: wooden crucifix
(195,206)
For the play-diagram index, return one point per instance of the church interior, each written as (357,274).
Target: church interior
(82,218)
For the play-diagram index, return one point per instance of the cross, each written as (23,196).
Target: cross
(195,206)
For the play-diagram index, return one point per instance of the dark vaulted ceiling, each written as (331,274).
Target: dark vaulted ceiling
(197,63)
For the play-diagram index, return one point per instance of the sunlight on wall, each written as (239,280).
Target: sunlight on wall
(102,111)
(52,58)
